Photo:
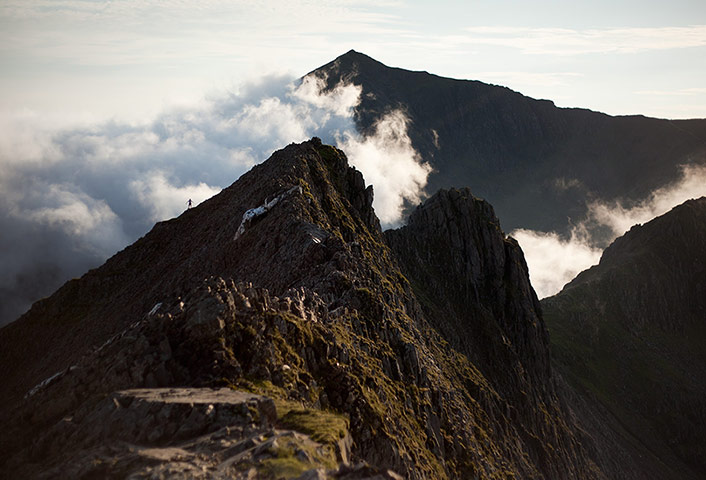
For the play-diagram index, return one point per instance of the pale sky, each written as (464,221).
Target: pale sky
(66,60)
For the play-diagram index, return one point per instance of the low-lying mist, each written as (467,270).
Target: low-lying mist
(554,260)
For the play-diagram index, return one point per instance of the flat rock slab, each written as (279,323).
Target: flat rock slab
(159,415)
(193,396)
(186,433)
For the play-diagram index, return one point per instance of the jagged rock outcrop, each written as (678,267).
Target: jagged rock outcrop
(534,162)
(306,304)
(473,285)
(628,335)
(472,281)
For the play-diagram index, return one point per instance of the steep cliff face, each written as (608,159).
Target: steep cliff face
(629,334)
(534,162)
(472,280)
(473,286)
(284,286)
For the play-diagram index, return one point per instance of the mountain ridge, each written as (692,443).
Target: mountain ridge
(305,305)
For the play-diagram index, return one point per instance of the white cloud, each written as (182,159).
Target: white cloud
(91,221)
(390,163)
(563,41)
(25,138)
(162,198)
(553,261)
(619,218)
(341,100)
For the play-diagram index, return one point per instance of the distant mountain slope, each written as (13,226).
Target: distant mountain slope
(536,163)
(283,285)
(630,332)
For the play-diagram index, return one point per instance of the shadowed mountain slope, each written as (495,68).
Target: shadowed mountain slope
(284,286)
(536,163)
(630,332)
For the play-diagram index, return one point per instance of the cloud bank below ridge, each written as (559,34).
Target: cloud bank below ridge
(554,261)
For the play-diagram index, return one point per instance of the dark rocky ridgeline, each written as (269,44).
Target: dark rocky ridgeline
(473,286)
(283,286)
(628,335)
(534,162)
